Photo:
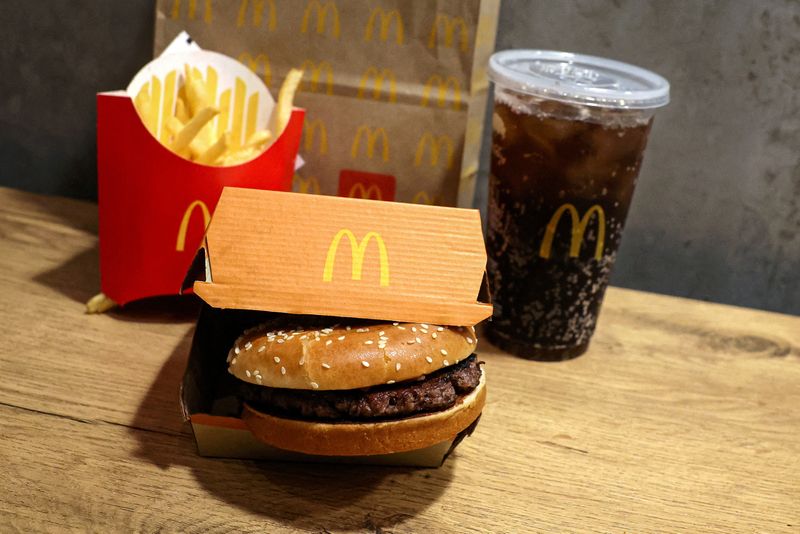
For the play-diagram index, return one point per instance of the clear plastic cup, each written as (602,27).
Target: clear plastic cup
(569,133)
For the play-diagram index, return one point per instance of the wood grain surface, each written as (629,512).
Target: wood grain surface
(683,417)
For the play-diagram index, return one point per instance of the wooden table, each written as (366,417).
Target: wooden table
(683,416)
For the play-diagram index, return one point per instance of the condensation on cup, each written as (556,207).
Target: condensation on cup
(568,136)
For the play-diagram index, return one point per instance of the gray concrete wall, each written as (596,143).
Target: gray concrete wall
(717,211)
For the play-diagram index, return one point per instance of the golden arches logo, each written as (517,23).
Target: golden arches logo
(435,145)
(380,76)
(321,11)
(308,185)
(180,244)
(258,14)
(313,72)
(386,18)
(357,250)
(578,230)
(310,133)
(443,85)
(422,197)
(191,14)
(365,192)
(449,25)
(372,139)
(253,64)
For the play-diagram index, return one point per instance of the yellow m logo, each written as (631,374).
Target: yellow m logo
(386,21)
(357,250)
(187,215)
(321,11)
(362,192)
(313,72)
(306,185)
(310,131)
(258,14)
(377,87)
(254,64)
(442,87)
(175,14)
(372,139)
(435,145)
(449,25)
(578,229)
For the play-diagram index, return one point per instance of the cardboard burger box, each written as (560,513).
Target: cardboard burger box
(154,205)
(267,253)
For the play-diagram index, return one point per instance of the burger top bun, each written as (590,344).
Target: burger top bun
(346,357)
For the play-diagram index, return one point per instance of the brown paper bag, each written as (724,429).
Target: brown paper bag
(395,90)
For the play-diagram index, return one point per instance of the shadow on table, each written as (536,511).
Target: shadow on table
(320,497)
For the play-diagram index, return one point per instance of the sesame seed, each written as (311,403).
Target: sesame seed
(423,325)
(236,349)
(395,324)
(381,345)
(469,340)
(423,330)
(429,359)
(390,381)
(326,366)
(401,327)
(433,335)
(384,338)
(277,360)
(328,342)
(445,362)
(314,385)
(444,352)
(247,373)
(327,330)
(262,348)
(340,338)
(365,364)
(418,340)
(248,346)
(411,342)
(440,329)
(280,341)
(283,370)
(413,328)
(233,361)
(304,336)
(302,361)
(380,333)
(368,342)
(347,328)
(258,379)
(397,366)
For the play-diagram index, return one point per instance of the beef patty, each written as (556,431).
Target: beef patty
(435,392)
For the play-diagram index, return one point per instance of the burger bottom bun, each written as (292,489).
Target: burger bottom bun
(363,439)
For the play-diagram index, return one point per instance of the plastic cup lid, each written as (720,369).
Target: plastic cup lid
(579,79)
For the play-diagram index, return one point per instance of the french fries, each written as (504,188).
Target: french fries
(192,132)
(99,303)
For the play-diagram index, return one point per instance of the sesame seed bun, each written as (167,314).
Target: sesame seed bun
(357,439)
(343,357)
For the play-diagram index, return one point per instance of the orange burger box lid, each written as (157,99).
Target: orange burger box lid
(267,253)
(154,205)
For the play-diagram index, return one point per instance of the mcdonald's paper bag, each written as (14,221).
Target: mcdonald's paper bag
(395,91)
(154,205)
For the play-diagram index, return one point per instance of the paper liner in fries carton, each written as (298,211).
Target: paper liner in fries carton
(267,253)
(154,204)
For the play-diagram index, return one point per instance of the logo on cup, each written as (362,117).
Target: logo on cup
(578,230)
(379,76)
(386,18)
(449,25)
(372,139)
(357,251)
(258,14)
(442,88)
(434,145)
(321,11)
(180,244)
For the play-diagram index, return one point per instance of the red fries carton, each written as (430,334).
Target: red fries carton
(154,203)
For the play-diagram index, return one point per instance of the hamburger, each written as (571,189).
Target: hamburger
(358,388)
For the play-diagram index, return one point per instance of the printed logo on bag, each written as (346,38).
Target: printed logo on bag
(308,185)
(370,185)
(386,18)
(321,10)
(258,64)
(422,197)
(258,14)
(357,252)
(578,230)
(430,143)
(449,25)
(378,77)
(191,14)
(180,244)
(443,87)
(312,74)
(315,129)
(373,136)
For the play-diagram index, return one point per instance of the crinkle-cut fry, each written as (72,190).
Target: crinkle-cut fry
(257,138)
(283,108)
(185,136)
(99,303)
(215,151)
